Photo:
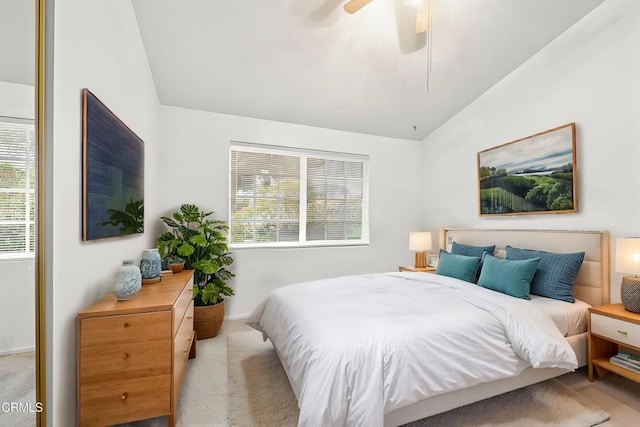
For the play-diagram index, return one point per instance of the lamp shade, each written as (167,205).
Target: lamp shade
(628,255)
(420,241)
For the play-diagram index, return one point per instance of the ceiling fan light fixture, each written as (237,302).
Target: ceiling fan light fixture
(353,6)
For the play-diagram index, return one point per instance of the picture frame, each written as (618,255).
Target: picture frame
(432,259)
(112,173)
(531,175)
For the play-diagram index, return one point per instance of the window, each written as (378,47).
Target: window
(17,187)
(288,197)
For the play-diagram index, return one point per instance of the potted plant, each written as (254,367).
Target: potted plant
(200,240)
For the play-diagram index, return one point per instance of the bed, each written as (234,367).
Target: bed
(405,355)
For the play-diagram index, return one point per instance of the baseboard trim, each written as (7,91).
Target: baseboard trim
(238,317)
(17,350)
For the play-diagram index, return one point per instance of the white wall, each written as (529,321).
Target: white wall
(17,306)
(589,75)
(97,45)
(194,160)
(16,100)
(17,286)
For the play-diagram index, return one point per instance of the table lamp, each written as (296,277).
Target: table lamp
(420,242)
(628,261)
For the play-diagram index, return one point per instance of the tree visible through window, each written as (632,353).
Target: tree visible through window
(17,187)
(334,199)
(265,197)
(283,196)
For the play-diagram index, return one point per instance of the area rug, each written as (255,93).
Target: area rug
(260,395)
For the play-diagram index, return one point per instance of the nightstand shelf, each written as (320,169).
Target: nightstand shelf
(611,327)
(417,269)
(603,367)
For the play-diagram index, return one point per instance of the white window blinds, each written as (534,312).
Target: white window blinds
(17,187)
(265,197)
(283,197)
(334,199)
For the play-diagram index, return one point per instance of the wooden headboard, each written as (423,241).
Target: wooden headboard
(592,284)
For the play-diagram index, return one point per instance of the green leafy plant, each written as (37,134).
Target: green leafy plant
(130,220)
(201,242)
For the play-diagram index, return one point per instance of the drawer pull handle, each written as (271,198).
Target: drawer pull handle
(125,355)
(622,332)
(124,396)
(189,317)
(126,324)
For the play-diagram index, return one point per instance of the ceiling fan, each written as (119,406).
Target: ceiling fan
(422,11)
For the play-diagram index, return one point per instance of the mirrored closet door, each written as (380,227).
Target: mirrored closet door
(18,201)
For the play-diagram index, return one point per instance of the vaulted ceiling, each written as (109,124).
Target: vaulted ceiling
(309,62)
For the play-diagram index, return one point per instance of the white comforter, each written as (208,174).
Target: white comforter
(358,347)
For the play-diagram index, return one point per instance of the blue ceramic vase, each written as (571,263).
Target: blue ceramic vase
(150,264)
(128,281)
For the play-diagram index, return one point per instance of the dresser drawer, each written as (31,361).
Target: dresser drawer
(118,401)
(183,340)
(114,330)
(182,345)
(618,330)
(126,361)
(181,305)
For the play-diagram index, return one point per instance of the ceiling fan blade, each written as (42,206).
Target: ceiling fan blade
(422,19)
(355,5)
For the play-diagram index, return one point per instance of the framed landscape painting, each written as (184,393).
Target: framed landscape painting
(532,175)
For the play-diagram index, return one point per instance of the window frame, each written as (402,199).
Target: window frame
(30,225)
(303,154)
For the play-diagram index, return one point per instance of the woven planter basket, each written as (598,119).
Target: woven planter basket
(207,320)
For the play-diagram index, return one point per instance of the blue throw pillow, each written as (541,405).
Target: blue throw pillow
(459,266)
(508,276)
(556,273)
(470,250)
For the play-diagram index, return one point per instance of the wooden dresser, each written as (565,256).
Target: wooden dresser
(132,355)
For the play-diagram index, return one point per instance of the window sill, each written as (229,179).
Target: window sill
(297,245)
(17,258)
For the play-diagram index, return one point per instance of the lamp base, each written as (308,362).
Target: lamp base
(421,260)
(630,293)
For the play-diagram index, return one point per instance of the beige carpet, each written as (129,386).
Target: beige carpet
(259,391)
(18,385)
(203,397)
(260,395)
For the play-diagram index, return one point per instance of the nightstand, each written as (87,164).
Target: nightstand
(611,326)
(417,269)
